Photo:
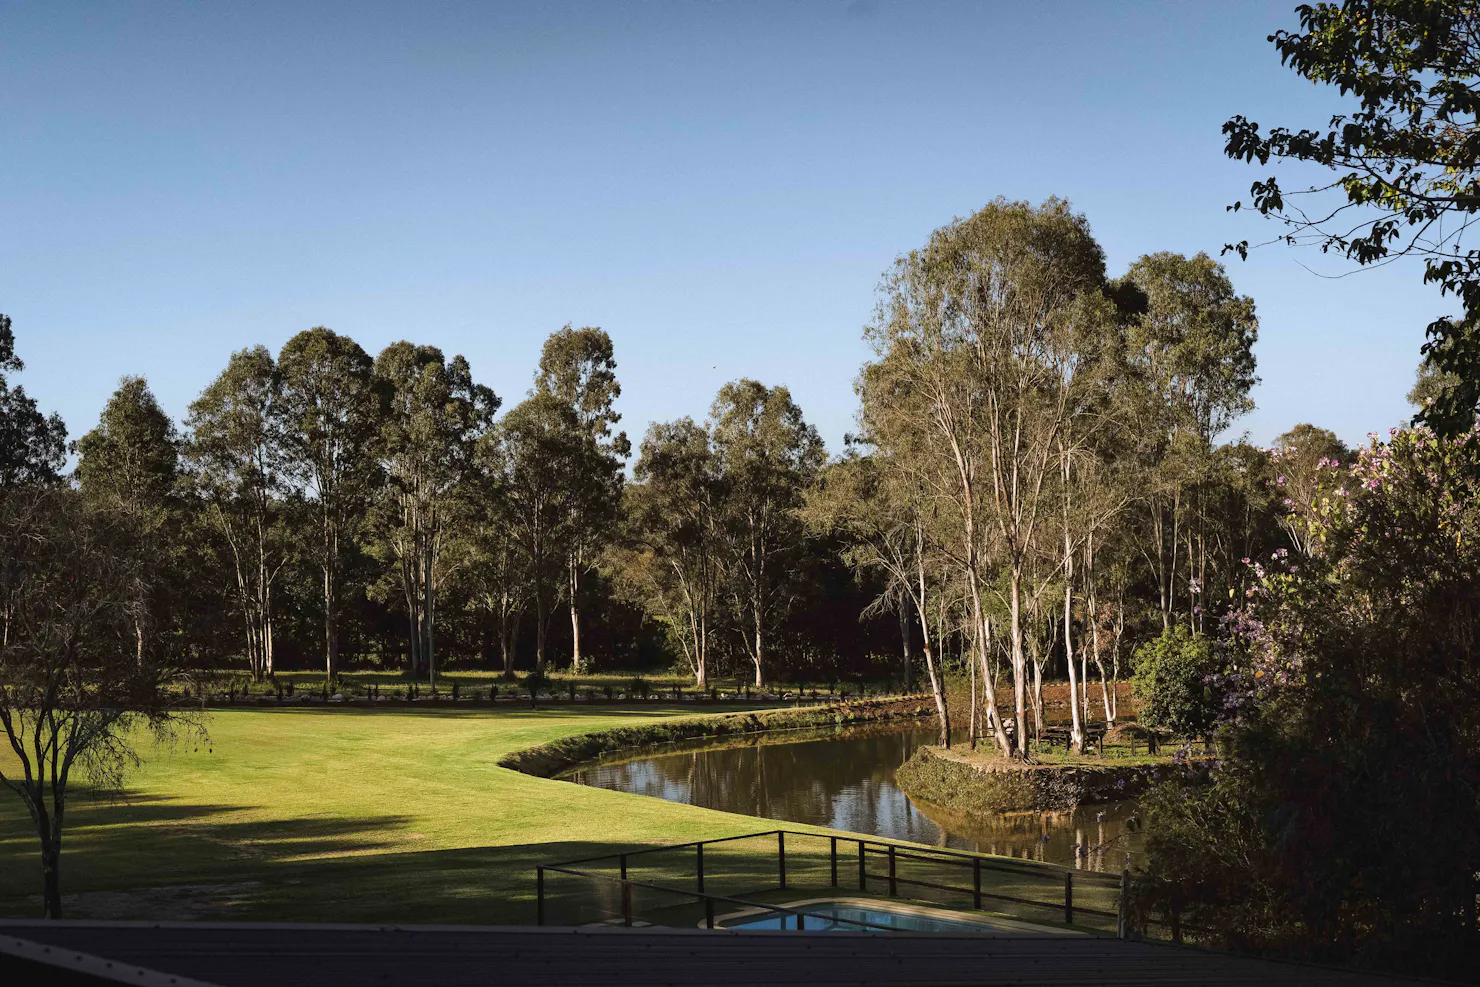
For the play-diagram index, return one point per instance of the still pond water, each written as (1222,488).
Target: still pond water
(844,779)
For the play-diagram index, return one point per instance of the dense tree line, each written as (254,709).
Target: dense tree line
(325,507)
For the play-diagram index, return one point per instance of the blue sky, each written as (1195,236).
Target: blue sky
(719,186)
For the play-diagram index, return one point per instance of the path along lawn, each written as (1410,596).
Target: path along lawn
(343,815)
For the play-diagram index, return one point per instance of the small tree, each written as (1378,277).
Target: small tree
(1173,680)
(73,688)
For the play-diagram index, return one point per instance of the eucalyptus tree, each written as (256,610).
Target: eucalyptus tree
(129,465)
(672,552)
(434,416)
(332,405)
(497,572)
(538,440)
(768,454)
(920,410)
(982,325)
(238,462)
(578,369)
(884,517)
(1194,349)
(33,446)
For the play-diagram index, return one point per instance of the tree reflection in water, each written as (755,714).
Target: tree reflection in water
(844,779)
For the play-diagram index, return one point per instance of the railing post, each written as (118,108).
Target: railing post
(834,855)
(1121,931)
(781,856)
(1068,897)
(699,850)
(708,912)
(623,861)
(801,922)
(539,896)
(627,903)
(893,887)
(862,869)
(976,883)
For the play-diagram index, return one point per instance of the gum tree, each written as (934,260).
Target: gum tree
(672,552)
(435,414)
(238,466)
(332,405)
(767,455)
(578,369)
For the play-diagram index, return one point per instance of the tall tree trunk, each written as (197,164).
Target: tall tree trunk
(542,622)
(431,621)
(906,646)
(701,654)
(575,616)
(982,637)
(1076,727)
(331,638)
(937,685)
(1019,660)
(971,710)
(759,656)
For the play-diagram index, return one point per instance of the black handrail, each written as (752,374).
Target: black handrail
(903,850)
(627,884)
(894,851)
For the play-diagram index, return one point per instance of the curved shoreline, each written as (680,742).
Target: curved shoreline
(568,753)
(972,786)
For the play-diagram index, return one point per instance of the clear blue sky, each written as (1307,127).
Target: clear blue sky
(717,185)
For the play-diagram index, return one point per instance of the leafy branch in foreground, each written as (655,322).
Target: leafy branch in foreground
(1407,160)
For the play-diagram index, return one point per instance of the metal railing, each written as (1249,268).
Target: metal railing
(679,883)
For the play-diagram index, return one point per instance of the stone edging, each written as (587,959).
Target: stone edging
(548,760)
(952,781)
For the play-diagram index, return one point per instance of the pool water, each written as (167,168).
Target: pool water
(832,916)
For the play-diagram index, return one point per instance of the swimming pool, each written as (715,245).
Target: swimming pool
(844,914)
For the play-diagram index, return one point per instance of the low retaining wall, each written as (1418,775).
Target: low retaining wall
(561,755)
(964,784)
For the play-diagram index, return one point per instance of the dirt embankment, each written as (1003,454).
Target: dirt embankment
(551,759)
(978,784)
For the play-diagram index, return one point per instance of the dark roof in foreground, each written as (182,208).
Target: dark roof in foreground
(236,955)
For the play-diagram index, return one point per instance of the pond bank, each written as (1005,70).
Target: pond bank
(548,760)
(976,784)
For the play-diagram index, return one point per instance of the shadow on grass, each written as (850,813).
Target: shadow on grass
(148,841)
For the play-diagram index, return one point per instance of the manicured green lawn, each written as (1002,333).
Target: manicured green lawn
(343,815)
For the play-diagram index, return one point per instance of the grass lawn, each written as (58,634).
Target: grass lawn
(343,815)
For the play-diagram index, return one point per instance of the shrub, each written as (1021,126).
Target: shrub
(1173,683)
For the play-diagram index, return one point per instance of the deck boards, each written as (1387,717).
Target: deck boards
(239,955)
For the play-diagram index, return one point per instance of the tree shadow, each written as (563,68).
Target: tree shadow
(145,841)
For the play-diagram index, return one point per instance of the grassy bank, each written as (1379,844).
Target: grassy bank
(345,815)
(551,758)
